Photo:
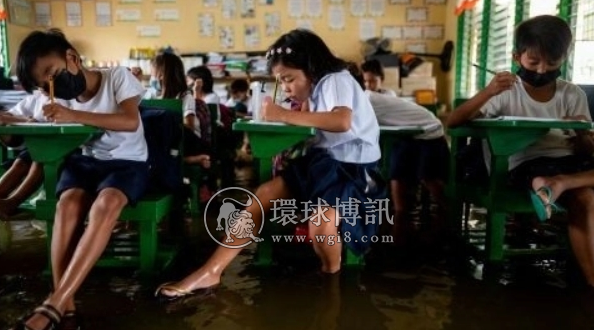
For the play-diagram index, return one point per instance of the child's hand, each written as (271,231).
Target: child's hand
(197,88)
(271,111)
(502,81)
(58,114)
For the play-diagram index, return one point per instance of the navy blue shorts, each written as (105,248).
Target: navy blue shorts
(412,160)
(318,175)
(94,175)
(521,176)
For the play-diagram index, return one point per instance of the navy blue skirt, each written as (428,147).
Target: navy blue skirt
(358,187)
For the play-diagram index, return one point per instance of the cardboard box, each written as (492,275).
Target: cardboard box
(392,79)
(411,84)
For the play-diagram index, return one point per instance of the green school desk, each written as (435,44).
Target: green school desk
(505,136)
(390,135)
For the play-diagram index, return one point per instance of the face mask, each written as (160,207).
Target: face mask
(68,86)
(535,79)
(155,83)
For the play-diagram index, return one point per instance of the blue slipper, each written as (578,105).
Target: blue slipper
(540,206)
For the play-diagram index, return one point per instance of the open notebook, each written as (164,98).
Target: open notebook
(541,119)
(45,124)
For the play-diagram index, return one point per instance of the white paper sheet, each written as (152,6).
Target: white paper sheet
(314,8)
(377,7)
(400,2)
(305,24)
(358,8)
(229,8)
(433,32)
(272,24)
(251,36)
(205,25)
(209,3)
(103,13)
(45,124)
(336,20)
(151,31)
(518,118)
(392,32)
(73,14)
(247,8)
(416,47)
(412,32)
(296,8)
(166,14)
(226,37)
(128,15)
(43,15)
(416,14)
(367,29)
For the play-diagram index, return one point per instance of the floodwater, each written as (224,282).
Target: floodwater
(418,287)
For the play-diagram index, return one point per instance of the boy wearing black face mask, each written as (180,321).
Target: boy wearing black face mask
(551,167)
(110,173)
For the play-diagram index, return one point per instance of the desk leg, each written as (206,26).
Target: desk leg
(264,251)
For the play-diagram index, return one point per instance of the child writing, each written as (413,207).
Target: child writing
(341,164)
(24,176)
(240,98)
(373,75)
(541,47)
(110,172)
(168,71)
(423,158)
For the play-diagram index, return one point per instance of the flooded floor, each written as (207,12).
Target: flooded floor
(417,287)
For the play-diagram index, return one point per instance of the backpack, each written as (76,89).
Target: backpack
(163,134)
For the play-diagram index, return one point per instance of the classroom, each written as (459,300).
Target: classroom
(302,164)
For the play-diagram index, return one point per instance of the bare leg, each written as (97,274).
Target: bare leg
(103,215)
(436,189)
(560,183)
(581,229)
(30,184)
(70,212)
(210,273)
(13,177)
(398,193)
(330,250)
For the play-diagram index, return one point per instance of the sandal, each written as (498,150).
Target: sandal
(71,320)
(201,292)
(544,210)
(48,311)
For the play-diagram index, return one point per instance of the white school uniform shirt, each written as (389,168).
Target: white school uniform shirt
(32,106)
(394,111)
(360,144)
(117,85)
(388,92)
(212,98)
(569,100)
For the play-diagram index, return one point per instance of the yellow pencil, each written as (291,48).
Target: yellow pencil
(51,89)
(276,81)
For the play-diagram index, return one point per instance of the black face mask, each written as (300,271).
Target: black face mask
(68,86)
(537,79)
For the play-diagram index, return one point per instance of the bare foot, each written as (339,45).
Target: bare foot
(40,321)
(554,183)
(192,283)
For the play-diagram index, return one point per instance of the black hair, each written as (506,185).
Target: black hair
(239,85)
(549,36)
(304,50)
(374,67)
(356,73)
(202,72)
(38,44)
(171,68)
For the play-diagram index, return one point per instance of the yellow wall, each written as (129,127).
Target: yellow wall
(16,33)
(114,42)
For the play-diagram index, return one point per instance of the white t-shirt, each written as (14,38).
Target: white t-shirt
(117,84)
(569,100)
(388,92)
(32,106)
(360,144)
(394,111)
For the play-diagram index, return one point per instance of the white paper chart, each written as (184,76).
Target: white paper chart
(358,8)
(149,31)
(103,13)
(366,29)
(166,14)
(296,8)
(43,15)
(73,14)
(128,14)
(336,19)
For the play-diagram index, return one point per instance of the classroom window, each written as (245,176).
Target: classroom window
(581,69)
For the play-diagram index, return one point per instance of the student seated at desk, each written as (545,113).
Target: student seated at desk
(110,172)
(423,158)
(342,164)
(541,46)
(24,177)
(167,70)
(239,101)
(373,75)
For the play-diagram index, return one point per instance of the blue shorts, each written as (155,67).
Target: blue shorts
(413,160)
(318,175)
(94,175)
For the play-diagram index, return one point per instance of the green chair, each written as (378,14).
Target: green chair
(141,252)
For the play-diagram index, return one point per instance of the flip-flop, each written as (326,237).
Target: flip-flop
(181,293)
(540,207)
(48,311)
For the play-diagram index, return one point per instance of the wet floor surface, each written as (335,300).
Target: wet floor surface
(414,288)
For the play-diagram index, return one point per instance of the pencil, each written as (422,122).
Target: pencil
(276,81)
(483,68)
(51,89)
